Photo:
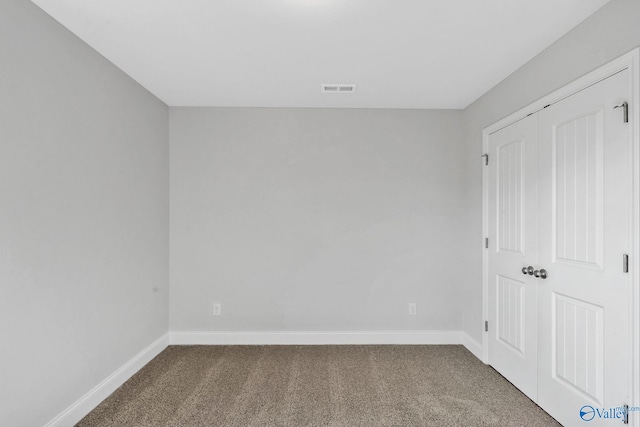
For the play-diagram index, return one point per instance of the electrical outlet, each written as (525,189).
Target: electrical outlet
(217,309)
(412,309)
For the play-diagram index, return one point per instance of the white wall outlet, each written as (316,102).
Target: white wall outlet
(217,309)
(412,309)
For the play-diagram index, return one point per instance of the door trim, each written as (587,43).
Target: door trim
(629,61)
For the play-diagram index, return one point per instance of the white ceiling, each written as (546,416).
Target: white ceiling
(277,53)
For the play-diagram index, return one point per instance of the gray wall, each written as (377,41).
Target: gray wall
(609,33)
(83,217)
(316,219)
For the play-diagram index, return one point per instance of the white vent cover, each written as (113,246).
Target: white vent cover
(338,88)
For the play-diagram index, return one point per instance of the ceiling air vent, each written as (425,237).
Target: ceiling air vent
(338,88)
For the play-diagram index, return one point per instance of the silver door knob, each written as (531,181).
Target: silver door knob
(530,270)
(542,273)
(524,270)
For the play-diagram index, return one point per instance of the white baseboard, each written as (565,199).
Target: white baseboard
(89,401)
(472,345)
(315,338)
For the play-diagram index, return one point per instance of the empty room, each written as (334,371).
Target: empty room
(319,213)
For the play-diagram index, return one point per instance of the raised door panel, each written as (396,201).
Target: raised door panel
(510,307)
(578,350)
(510,200)
(578,190)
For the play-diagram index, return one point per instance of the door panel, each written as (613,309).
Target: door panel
(583,317)
(578,330)
(577,181)
(510,313)
(513,245)
(510,180)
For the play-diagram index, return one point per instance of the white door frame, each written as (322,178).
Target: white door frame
(630,61)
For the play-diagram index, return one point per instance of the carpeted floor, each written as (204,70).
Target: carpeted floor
(317,386)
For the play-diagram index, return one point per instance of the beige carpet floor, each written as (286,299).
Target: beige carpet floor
(317,386)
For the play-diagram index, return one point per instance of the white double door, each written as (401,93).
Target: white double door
(559,201)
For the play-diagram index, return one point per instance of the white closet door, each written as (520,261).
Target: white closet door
(583,318)
(513,246)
